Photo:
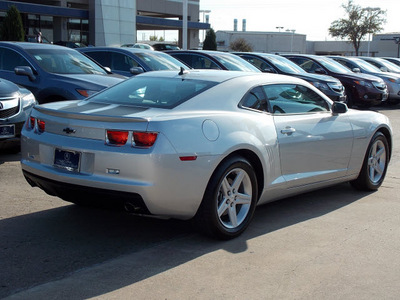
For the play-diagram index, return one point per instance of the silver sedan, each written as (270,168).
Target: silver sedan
(202,145)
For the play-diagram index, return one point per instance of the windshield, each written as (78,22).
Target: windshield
(64,61)
(285,65)
(333,66)
(160,61)
(152,92)
(390,66)
(366,66)
(235,63)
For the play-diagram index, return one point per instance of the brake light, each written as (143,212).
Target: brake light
(41,125)
(116,137)
(31,122)
(144,139)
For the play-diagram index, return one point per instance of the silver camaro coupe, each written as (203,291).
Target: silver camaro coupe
(202,145)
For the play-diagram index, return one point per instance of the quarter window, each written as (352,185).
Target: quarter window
(255,99)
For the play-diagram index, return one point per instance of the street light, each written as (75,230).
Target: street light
(369,10)
(279,28)
(291,42)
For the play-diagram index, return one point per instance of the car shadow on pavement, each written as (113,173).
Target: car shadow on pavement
(70,241)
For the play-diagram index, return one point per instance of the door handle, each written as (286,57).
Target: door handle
(288,130)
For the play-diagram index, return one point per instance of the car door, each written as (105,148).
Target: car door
(9,59)
(314,144)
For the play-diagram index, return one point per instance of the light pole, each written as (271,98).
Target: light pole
(291,41)
(369,10)
(279,28)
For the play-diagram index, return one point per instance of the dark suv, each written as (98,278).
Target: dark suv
(271,63)
(53,73)
(15,106)
(361,89)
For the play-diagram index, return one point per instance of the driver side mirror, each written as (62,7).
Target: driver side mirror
(136,70)
(320,71)
(384,69)
(26,71)
(339,108)
(268,70)
(356,70)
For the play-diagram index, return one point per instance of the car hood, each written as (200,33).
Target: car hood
(7,88)
(358,76)
(316,77)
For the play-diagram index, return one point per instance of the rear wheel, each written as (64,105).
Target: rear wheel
(230,199)
(375,164)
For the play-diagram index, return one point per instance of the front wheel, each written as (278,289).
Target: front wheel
(375,164)
(229,201)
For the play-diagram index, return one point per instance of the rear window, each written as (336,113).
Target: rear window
(152,92)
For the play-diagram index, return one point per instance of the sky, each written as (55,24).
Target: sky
(309,17)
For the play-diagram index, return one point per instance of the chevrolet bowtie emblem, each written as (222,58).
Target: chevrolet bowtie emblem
(69,130)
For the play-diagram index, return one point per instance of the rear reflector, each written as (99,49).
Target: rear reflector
(144,139)
(187,158)
(41,125)
(116,138)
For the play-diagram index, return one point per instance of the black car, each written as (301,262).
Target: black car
(53,73)
(165,47)
(359,65)
(15,106)
(271,63)
(361,89)
(131,61)
(203,59)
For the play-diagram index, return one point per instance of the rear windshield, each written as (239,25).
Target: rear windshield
(152,92)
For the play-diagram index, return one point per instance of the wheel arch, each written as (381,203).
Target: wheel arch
(255,162)
(386,132)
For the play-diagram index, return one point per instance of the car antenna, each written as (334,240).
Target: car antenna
(183,71)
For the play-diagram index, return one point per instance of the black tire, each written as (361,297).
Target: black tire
(375,164)
(226,214)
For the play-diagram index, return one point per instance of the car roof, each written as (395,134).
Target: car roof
(27,45)
(222,75)
(117,49)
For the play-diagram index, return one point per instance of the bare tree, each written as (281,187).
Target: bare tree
(359,22)
(241,45)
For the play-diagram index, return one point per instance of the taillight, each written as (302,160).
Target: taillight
(144,139)
(31,122)
(116,137)
(41,125)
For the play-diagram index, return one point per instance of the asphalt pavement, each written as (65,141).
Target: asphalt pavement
(335,243)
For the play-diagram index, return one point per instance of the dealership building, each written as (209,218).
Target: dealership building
(107,22)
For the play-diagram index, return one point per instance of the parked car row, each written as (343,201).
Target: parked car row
(55,73)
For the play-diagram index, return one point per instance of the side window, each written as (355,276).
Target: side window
(255,99)
(260,64)
(201,62)
(187,59)
(122,62)
(102,58)
(294,99)
(11,59)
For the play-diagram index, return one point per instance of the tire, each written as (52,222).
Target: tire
(375,164)
(229,200)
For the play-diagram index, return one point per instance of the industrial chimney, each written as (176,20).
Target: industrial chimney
(235,24)
(244,25)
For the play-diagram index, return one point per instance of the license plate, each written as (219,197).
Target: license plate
(7,131)
(68,160)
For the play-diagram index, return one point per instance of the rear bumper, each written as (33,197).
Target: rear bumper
(78,194)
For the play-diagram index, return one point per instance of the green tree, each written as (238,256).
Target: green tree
(153,38)
(210,42)
(241,45)
(12,29)
(358,23)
